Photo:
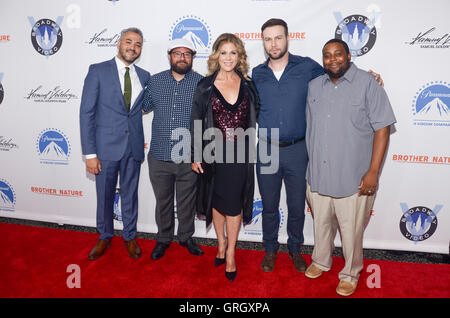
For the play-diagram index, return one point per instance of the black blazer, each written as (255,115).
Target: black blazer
(202,110)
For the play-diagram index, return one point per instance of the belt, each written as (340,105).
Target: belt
(282,144)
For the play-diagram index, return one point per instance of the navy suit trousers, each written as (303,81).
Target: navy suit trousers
(106,182)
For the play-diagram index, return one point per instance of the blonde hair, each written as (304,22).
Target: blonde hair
(213,60)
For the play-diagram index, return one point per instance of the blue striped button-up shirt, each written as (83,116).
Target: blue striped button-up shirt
(171,102)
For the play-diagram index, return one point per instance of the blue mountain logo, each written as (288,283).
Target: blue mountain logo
(7,196)
(53,147)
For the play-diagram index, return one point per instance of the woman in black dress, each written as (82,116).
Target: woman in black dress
(227,101)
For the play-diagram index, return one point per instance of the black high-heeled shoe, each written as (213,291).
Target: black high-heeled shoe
(219,261)
(231,275)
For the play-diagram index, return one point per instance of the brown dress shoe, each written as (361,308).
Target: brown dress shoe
(99,249)
(133,249)
(346,288)
(299,262)
(268,262)
(313,271)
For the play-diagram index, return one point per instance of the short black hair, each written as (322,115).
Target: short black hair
(274,22)
(347,50)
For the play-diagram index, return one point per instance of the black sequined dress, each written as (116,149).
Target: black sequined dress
(231,171)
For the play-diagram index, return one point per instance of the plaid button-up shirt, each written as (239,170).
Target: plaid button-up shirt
(171,103)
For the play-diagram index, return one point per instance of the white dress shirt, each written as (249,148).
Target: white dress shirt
(136,86)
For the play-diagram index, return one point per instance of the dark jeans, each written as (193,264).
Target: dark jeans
(293,162)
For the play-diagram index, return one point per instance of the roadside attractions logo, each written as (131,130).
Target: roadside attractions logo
(195,30)
(358,31)
(431,105)
(255,225)
(53,147)
(418,223)
(46,35)
(7,196)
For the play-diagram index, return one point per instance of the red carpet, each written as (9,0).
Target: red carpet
(34,261)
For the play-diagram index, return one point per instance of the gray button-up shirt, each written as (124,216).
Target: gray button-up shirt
(341,121)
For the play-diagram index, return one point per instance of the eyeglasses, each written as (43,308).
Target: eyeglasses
(187,55)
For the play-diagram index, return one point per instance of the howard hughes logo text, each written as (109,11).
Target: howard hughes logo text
(431,40)
(55,95)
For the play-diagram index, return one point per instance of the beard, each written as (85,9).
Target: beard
(277,57)
(179,68)
(340,72)
(123,55)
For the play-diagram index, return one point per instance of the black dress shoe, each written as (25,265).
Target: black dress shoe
(231,275)
(159,250)
(192,247)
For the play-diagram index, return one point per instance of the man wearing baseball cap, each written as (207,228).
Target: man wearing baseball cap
(169,95)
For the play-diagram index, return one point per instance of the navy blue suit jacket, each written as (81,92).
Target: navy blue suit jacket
(105,125)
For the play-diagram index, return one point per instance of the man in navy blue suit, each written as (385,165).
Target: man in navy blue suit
(112,137)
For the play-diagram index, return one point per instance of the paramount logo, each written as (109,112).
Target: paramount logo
(198,43)
(5,201)
(195,30)
(431,105)
(7,196)
(435,109)
(53,147)
(54,152)
(183,27)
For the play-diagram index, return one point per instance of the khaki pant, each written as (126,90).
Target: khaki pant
(350,215)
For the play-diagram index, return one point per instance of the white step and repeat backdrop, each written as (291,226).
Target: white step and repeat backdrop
(42,172)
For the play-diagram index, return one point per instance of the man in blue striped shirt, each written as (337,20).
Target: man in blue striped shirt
(169,95)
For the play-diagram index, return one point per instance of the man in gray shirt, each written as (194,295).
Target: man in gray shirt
(348,119)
